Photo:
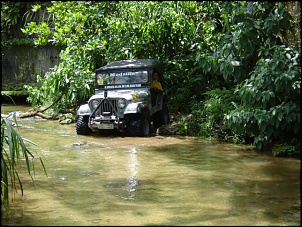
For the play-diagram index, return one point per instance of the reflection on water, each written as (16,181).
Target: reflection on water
(115,180)
(126,189)
(133,168)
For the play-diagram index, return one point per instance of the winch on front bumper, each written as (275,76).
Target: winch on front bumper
(107,114)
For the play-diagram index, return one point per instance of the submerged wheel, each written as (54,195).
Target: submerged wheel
(82,125)
(161,117)
(139,126)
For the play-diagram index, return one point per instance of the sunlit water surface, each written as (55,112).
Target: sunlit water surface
(110,179)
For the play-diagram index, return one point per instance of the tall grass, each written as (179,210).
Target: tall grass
(13,151)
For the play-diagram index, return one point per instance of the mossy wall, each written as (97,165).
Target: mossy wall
(22,64)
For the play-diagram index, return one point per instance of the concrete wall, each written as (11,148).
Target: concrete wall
(22,64)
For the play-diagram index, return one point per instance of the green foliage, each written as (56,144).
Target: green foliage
(76,82)
(243,35)
(13,152)
(205,46)
(291,150)
(183,127)
(11,13)
(11,87)
(270,108)
(19,42)
(96,33)
(208,115)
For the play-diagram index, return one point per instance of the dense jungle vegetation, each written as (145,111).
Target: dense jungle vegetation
(234,66)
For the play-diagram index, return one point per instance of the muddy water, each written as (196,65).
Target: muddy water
(114,180)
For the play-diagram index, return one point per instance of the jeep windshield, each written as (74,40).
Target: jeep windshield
(112,79)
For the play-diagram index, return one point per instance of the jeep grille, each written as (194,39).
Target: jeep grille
(105,107)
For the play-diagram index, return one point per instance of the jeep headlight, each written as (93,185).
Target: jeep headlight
(83,110)
(94,104)
(121,103)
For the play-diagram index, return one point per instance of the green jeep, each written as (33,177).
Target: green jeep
(124,99)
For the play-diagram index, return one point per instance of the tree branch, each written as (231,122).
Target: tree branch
(40,112)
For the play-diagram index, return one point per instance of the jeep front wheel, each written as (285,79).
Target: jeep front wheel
(139,126)
(82,125)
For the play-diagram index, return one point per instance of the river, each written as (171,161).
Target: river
(113,180)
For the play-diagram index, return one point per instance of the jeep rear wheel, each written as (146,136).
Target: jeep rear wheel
(139,126)
(82,125)
(161,117)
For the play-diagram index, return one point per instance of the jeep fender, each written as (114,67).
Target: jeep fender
(83,110)
(134,108)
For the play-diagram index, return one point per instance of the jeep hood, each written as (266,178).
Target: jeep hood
(128,94)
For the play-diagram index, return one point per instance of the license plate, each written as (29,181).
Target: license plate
(105,126)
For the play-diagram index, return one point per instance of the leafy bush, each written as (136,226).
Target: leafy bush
(286,150)
(270,109)
(207,119)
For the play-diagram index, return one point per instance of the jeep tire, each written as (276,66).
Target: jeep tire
(82,125)
(139,126)
(161,117)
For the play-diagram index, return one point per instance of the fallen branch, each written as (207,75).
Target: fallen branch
(67,111)
(43,115)
(40,112)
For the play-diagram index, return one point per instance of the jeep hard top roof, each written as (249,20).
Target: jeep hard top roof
(133,63)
